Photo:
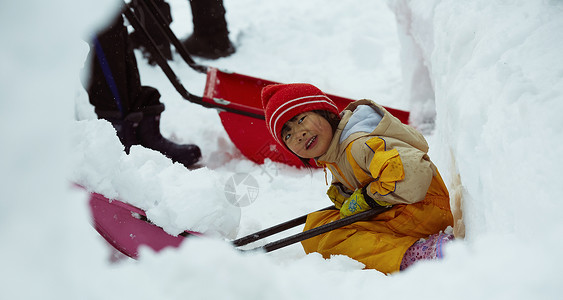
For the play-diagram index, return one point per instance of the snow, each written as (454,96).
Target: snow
(482,79)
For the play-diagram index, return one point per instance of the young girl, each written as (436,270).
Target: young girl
(375,161)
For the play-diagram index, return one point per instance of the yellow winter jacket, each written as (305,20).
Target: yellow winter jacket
(373,148)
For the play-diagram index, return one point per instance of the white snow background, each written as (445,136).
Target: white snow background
(483,80)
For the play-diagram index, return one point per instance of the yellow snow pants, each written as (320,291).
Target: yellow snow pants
(381,242)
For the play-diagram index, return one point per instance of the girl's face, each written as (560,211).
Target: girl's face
(308,135)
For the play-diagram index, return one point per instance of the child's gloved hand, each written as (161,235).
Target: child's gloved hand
(338,194)
(359,202)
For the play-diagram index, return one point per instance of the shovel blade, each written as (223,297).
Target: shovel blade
(126,228)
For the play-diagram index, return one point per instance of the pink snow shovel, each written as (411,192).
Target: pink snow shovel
(127,228)
(237,98)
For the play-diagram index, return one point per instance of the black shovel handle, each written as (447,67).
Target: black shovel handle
(296,238)
(156,14)
(272,230)
(159,57)
(174,80)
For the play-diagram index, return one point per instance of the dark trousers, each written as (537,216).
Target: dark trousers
(114,86)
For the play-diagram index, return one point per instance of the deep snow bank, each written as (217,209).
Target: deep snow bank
(43,246)
(497,76)
(493,72)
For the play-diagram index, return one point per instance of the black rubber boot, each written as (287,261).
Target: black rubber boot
(210,37)
(149,136)
(210,47)
(126,128)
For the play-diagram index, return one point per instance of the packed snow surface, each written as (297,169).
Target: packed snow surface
(483,81)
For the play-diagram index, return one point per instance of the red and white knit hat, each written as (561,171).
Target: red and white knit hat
(282,102)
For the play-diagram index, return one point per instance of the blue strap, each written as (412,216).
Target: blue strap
(108,75)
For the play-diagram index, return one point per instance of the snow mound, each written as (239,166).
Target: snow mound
(172,196)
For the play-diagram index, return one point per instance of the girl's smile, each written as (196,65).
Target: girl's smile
(308,135)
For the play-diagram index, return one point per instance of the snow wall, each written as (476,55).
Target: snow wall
(491,74)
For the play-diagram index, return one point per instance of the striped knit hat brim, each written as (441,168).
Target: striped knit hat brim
(282,102)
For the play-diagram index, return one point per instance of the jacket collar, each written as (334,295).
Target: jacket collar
(336,148)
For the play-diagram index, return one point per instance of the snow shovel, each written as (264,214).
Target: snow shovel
(126,228)
(236,96)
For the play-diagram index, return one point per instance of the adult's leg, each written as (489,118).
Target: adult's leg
(210,37)
(152,27)
(114,81)
(115,91)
